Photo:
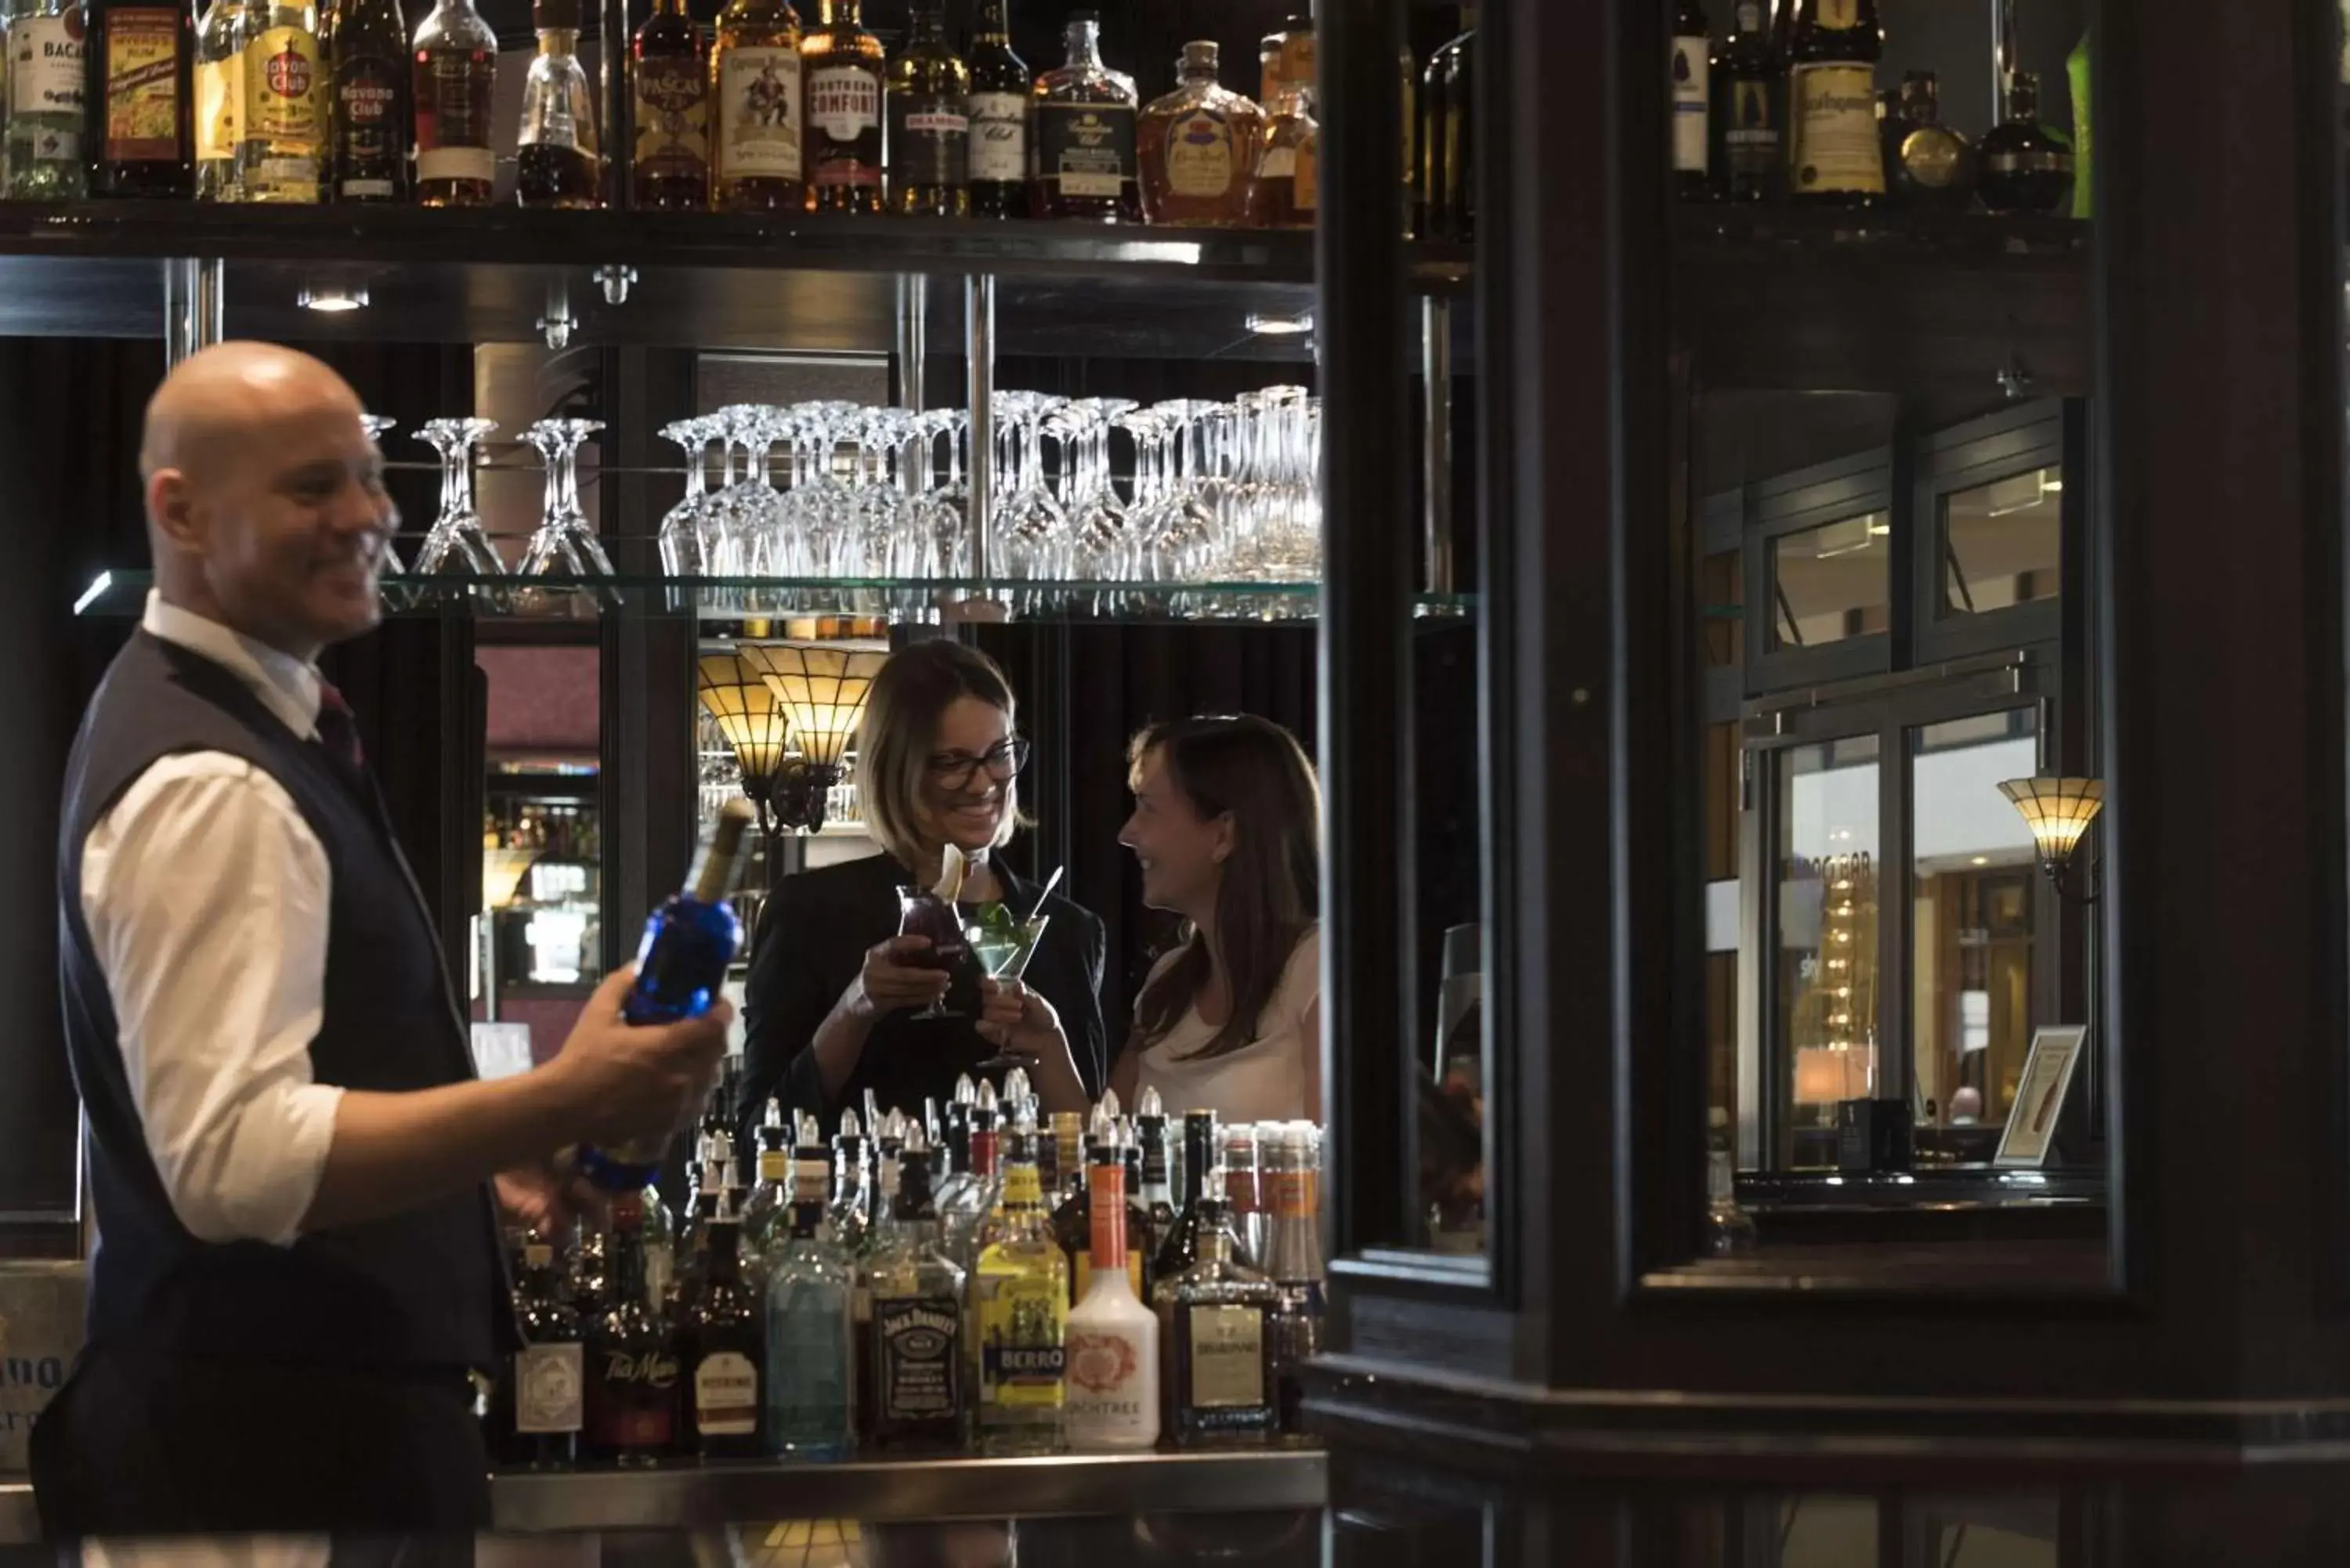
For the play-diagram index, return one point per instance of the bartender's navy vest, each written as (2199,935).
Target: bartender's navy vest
(418,1290)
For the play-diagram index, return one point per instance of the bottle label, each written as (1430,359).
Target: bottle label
(549,1383)
(727,1396)
(845,116)
(1227,1357)
(455,93)
(1305,179)
(1931,158)
(284,100)
(2025,160)
(919,1371)
(1749,140)
(1022,1331)
(636,1406)
(1278,163)
(929,140)
(1834,120)
(999,137)
(775,1166)
(1838,16)
(142,85)
(45,78)
(759,114)
(220,86)
(1103,1365)
(673,143)
(1690,102)
(1199,161)
(1085,149)
(366,119)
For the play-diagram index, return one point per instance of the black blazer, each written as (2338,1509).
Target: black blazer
(813,935)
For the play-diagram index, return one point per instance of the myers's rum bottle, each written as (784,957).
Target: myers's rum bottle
(1082,120)
(999,118)
(455,55)
(139,90)
(672,166)
(844,64)
(632,1364)
(556,163)
(1197,146)
(1834,157)
(367,49)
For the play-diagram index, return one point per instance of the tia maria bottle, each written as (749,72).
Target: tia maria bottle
(680,966)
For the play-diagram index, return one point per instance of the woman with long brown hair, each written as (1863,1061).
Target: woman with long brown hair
(1227,827)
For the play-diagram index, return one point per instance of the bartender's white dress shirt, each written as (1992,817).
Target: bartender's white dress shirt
(206,894)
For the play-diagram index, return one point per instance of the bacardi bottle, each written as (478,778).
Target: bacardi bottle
(46,98)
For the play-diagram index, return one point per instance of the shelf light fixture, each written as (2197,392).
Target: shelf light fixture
(332,299)
(1296,326)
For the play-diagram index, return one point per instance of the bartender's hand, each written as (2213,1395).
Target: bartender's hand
(639,1082)
(888,983)
(545,1198)
(1019,1022)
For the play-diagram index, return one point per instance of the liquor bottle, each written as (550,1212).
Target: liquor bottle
(755,122)
(1926,164)
(632,1370)
(811,1306)
(2024,168)
(766,1214)
(844,64)
(1447,141)
(1729,1230)
(681,961)
(1082,122)
(1113,1338)
(1692,101)
(967,1205)
(46,95)
(706,1194)
(955,1144)
(546,1376)
(1064,1174)
(1749,162)
(1286,56)
(851,1215)
(282,148)
(556,163)
(591,1272)
(1158,1197)
(1833,157)
(366,56)
(1021,1303)
(1286,185)
(999,118)
(1196,145)
(220,97)
(139,89)
(928,150)
(1202,1184)
(921,1390)
(1215,1320)
(1293,1260)
(1138,1223)
(726,1345)
(456,59)
(670,168)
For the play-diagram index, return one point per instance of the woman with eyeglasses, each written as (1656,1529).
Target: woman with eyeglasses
(829,1008)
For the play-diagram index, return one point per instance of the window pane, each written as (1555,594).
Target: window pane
(1828,583)
(1827,1015)
(2000,542)
(1972,923)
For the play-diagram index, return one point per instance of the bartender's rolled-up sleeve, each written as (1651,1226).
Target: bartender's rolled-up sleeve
(206,894)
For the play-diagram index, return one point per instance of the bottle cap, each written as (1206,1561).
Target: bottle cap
(1203,54)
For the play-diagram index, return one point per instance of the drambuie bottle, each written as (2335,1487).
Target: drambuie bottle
(1834,158)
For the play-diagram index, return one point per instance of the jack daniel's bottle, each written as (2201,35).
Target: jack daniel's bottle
(680,967)
(1834,158)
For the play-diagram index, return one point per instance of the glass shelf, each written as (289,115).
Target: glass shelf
(745,601)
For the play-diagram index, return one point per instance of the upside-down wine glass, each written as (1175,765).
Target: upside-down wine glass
(566,541)
(457,543)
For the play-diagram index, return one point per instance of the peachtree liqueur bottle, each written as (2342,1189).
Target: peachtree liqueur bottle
(1832,155)
(220,99)
(282,151)
(455,54)
(757,120)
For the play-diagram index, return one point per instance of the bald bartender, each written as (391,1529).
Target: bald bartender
(296,1172)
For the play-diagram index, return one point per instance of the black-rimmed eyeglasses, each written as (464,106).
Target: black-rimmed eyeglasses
(956,769)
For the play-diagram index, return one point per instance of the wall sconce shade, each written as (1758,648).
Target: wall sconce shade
(824,690)
(2058,811)
(734,694)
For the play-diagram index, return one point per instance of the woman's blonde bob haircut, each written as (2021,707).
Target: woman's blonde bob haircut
(916,687)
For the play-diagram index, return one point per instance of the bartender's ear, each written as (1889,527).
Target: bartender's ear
(1225,838)
(170,510)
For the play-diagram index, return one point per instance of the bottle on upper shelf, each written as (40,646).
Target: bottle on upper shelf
(366,59)
(2026,167)
(556,163)
(757,121)
(540,1404)
(1692,102)
(844,68)
(1284,186)
(1084,126)
(455,54)
(46,97)
(999,118)
(1196,145)
(1832,155)
(1448,141)
(220,99)
(139,89)
(669,168)
(928,149)
(283,130)
(1749,161)
(1926,164)
(1285,55)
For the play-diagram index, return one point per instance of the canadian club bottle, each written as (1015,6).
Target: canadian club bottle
(556,163)
(1692,101)
(632,1364)
(139,89)
(1832,155)
(999,118)
(671,167)
(1750,162)
(844,65)
(282,153)
(928,150)
(727,1337)
(756,119)
(456,71)
(367,45)
(544,1383)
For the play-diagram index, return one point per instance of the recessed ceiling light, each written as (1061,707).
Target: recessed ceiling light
(331,298)
(1281,325)
(1983,860)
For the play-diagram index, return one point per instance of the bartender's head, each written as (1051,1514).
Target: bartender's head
(1227,826)
(266,504)
(939,760)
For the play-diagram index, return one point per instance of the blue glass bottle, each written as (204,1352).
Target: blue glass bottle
(811,1312)
(680,970)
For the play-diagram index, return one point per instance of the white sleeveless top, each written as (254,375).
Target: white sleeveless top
(1264,1081)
